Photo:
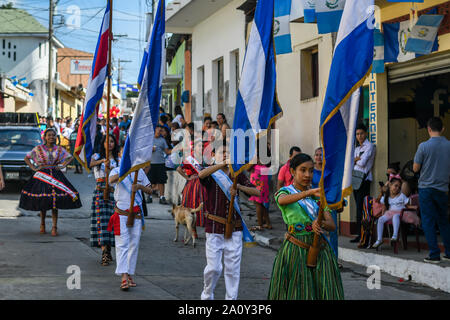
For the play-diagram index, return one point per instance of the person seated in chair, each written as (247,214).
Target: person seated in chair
(394,201)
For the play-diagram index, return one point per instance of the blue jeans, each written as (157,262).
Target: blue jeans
(334,234)
(433,210)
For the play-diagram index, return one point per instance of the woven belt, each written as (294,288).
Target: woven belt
(125,213)
(289,237)
(100,180)
(221,220)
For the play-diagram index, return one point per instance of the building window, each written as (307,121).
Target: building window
(309,65)
(234,76)
(40,50)
(200,91)
(220,87)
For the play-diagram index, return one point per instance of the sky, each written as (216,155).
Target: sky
(80,31)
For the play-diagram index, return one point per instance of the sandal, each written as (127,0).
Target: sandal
(124,285)
(267,226)
(131,283)
(42,229)
(54,233)
(105,260)
(108,254)
(256,228)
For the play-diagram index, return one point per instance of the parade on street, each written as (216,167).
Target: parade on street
(247,151)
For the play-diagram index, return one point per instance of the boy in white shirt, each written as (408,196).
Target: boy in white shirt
(127,238)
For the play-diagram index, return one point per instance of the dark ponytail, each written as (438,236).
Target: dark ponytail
(298,159)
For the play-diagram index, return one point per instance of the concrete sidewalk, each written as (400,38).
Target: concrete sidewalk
(408,265)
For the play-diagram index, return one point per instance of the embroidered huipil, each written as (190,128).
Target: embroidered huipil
(218,203)
(45,156)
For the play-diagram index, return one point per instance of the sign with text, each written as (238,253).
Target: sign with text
(79,66)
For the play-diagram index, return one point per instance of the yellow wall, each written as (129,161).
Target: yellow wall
(391,11)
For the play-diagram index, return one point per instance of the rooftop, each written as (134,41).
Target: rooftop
(19,21)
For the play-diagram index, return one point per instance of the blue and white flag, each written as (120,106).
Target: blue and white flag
(378,52)
(329,13)
(143,66)
(423,34)
(281,28)
(396,36)
(309,11)
(23,82)
(349,69)
(257,104)
(138,148)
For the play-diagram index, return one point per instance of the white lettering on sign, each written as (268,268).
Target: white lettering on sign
(373,110)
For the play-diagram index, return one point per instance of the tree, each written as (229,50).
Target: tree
(10,5)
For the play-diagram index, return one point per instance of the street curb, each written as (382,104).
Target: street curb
(424,273)
(431,275)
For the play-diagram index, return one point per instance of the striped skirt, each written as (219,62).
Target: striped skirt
(293,280)
(102,210)
(194,193)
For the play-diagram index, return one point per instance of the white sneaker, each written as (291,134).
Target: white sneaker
(377,244)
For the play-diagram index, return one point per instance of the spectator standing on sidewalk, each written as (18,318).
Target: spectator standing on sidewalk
(432,160)
(158,174)
(284,176)
(364,157)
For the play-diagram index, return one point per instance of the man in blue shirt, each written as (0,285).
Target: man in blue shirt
(432,160)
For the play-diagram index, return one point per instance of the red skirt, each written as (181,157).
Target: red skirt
(194,193)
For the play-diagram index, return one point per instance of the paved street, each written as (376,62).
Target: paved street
(34,266)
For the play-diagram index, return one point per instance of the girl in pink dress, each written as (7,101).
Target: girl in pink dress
(261,181)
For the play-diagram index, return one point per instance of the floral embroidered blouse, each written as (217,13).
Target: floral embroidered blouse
(45,156)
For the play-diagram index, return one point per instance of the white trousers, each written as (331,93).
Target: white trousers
(127,246)
(231,249)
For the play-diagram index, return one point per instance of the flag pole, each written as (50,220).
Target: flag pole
(314,250)
(131,215)
(108,103)
(229,226)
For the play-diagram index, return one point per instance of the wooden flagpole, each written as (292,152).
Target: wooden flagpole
(131,214)
(314,250)
(108,103)
(230,223)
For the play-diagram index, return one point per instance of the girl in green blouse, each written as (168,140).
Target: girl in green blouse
(291,278)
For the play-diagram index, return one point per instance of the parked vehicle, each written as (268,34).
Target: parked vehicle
(18,136)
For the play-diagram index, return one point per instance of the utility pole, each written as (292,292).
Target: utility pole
(50,62)
(119,71)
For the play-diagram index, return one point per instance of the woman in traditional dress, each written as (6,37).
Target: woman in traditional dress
(103,209)
(48,189)
(291,278)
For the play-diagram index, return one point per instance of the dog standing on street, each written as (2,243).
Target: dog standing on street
(186,217)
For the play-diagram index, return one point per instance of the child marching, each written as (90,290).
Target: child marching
(217,204)
(291,278)
(103,209)
(127,238)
